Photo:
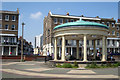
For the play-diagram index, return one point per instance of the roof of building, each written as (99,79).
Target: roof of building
(9,12)
(82,16)
(81,23)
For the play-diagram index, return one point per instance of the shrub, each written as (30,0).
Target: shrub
(67,65)
(109,64)
(87,66)
(59,65)
(75,64)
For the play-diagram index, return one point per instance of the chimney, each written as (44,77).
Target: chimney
(97,16)
(82,15)
(118,21)
(17,10)
(67,14)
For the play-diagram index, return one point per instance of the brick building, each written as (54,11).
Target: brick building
(52,20)
(27,47)
(9,32)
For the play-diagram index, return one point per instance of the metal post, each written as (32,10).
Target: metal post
(22,42)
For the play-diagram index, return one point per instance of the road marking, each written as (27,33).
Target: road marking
(25,64)
(81,72)
(38,69)
(56,75)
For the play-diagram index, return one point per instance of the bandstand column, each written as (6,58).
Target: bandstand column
(77,43)
(85,48)
(63,48)
(16,50)
(103,49)
(2,50)
(71,51)
(94,48)
(106,48)
(55,55)
(9,50)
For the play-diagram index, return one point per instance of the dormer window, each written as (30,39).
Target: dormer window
(66,20)
(108,24)
(72,20)
(61,21)
(55,20)
(113,25)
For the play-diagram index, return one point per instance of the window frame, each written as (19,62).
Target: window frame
(112,32)
(108,24)
(118,28)
(12,27)
(0,16)
(56,21)
(60,20)
(66,20)
(0,25)
(14,18)
(113,25)
(117,34)
(5,27)
(6,19)
(71,19)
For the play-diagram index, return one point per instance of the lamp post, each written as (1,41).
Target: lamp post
(22,41)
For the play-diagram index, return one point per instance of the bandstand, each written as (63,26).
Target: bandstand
(80,30)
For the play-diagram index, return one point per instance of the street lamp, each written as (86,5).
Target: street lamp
(22,41)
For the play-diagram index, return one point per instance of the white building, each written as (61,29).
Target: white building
(38,44)
(38,41)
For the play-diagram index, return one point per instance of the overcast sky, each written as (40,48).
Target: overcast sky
(33,13)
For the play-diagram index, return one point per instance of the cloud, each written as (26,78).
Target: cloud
(35,15)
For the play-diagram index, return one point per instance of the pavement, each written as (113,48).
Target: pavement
(40,70)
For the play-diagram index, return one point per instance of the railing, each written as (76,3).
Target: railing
(8,43)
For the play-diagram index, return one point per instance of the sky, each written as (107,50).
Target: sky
(33,13)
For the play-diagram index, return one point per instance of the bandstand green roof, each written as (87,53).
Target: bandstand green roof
(81,23)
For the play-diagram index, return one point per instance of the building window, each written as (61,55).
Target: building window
(13,27)
(117,27)
(108,33)
(103,23)
(61,21)
(5,39)
(108,24)
(113,32)
(0,16)
(87,42)
(117,34)
(55,20)
(113,25)
(108,42)
(7,17)
(12,40)
(98,42)
(66,20)
(71,20)
(113,42)
(6,26)
(0,25)
(13,18)
(92,42)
